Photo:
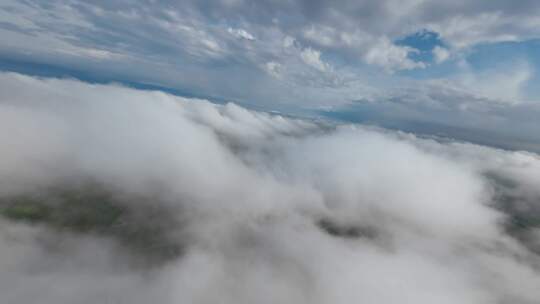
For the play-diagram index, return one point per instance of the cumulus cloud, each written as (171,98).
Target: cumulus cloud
(273,68)
(441,54)
(162,42)
(392,57)
(265,208)
(288,41)
(312,58)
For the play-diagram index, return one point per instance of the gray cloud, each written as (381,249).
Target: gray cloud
(464,108)
(436,222)
(188,44)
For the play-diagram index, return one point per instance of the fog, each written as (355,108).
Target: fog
(258,208)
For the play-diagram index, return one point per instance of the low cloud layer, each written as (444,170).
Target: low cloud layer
(264,209)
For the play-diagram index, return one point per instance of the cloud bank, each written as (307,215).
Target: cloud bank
(485,108)
(265,209)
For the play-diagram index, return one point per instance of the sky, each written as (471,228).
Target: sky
(460,69)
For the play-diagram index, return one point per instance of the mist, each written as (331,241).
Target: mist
(220,204)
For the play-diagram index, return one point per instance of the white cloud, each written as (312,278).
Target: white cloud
(464,31)
(312,58)
(391,57)
(240,33)
(273,68)
(178,40)
(324,36)
(441,54)
(197,41)
(288,41)
(406,218)
(461,23)
(504,84)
